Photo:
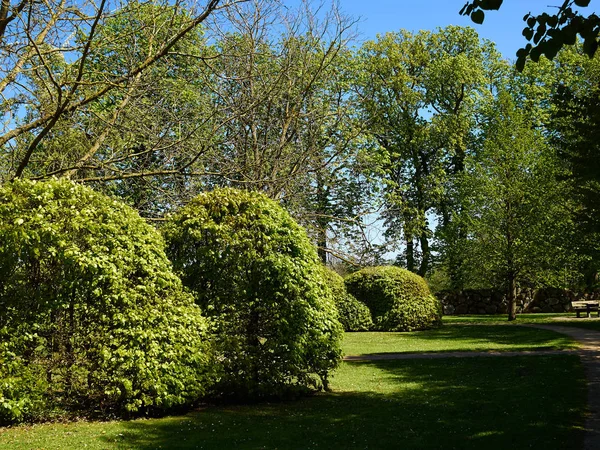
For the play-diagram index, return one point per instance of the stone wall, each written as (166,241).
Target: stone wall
(490,301)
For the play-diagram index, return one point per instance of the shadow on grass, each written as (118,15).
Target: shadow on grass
(527,402)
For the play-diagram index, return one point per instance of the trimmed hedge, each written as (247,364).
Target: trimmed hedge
(254,271)
(399,300)
(354,315)
(93,317)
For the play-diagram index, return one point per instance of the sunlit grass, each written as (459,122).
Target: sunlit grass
(566,319)
(453,337)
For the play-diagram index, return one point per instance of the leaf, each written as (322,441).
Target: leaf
(520,64)
(551,48)
(590,45)
(582,3)
(478,16)
(491,4)
(569,35)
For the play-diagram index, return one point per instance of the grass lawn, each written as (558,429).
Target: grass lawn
(493,403)
(454,337)
(566,319)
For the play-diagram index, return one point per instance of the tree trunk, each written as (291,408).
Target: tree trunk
(410,254)
(322,219)
(322,244)
(512,297)
(426,254)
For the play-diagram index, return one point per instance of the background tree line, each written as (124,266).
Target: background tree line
(479,174)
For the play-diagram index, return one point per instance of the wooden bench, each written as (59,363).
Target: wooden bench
(586,305)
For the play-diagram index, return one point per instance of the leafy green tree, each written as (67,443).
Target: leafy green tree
(143,142)
(419,95)
(289,122)
(514,210)
(93,318)
(575,130)
(254,271)
(47,68)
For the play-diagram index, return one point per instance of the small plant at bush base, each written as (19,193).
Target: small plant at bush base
(399,300)
(253,269)
(91,309)
(354,315)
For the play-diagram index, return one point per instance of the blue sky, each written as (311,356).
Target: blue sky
(503,27)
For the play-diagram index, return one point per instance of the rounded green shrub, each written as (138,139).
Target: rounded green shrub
(254,271)
(399,300)
(91,309)
(354,315)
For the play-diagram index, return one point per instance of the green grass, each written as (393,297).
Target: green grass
(454,337)
(492,403)
(567,319)
(502,319)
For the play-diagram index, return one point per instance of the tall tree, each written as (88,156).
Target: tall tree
(513,205)
(418,93)
(48,47)
(575,128)
(291,123)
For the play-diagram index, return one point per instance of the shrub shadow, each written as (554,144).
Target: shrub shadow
(475,403)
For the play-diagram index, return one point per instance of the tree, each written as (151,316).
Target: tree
(513,209)
(418,93)
(48,61)
(152,129)
(575,128)
(252,268)
(289,124)
(549,32)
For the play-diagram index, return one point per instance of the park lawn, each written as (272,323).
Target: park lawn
(565,319)
(456,337)
(494,403)
(499,319)
(471,403)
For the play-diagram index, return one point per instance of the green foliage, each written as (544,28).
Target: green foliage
(576,125)
(548,32)
(254,271)
(22,386)
(399,300)
(91,306)
(354,315)
(514,204)
(418,156)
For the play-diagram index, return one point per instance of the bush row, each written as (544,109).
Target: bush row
(94,319)
(104,315)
